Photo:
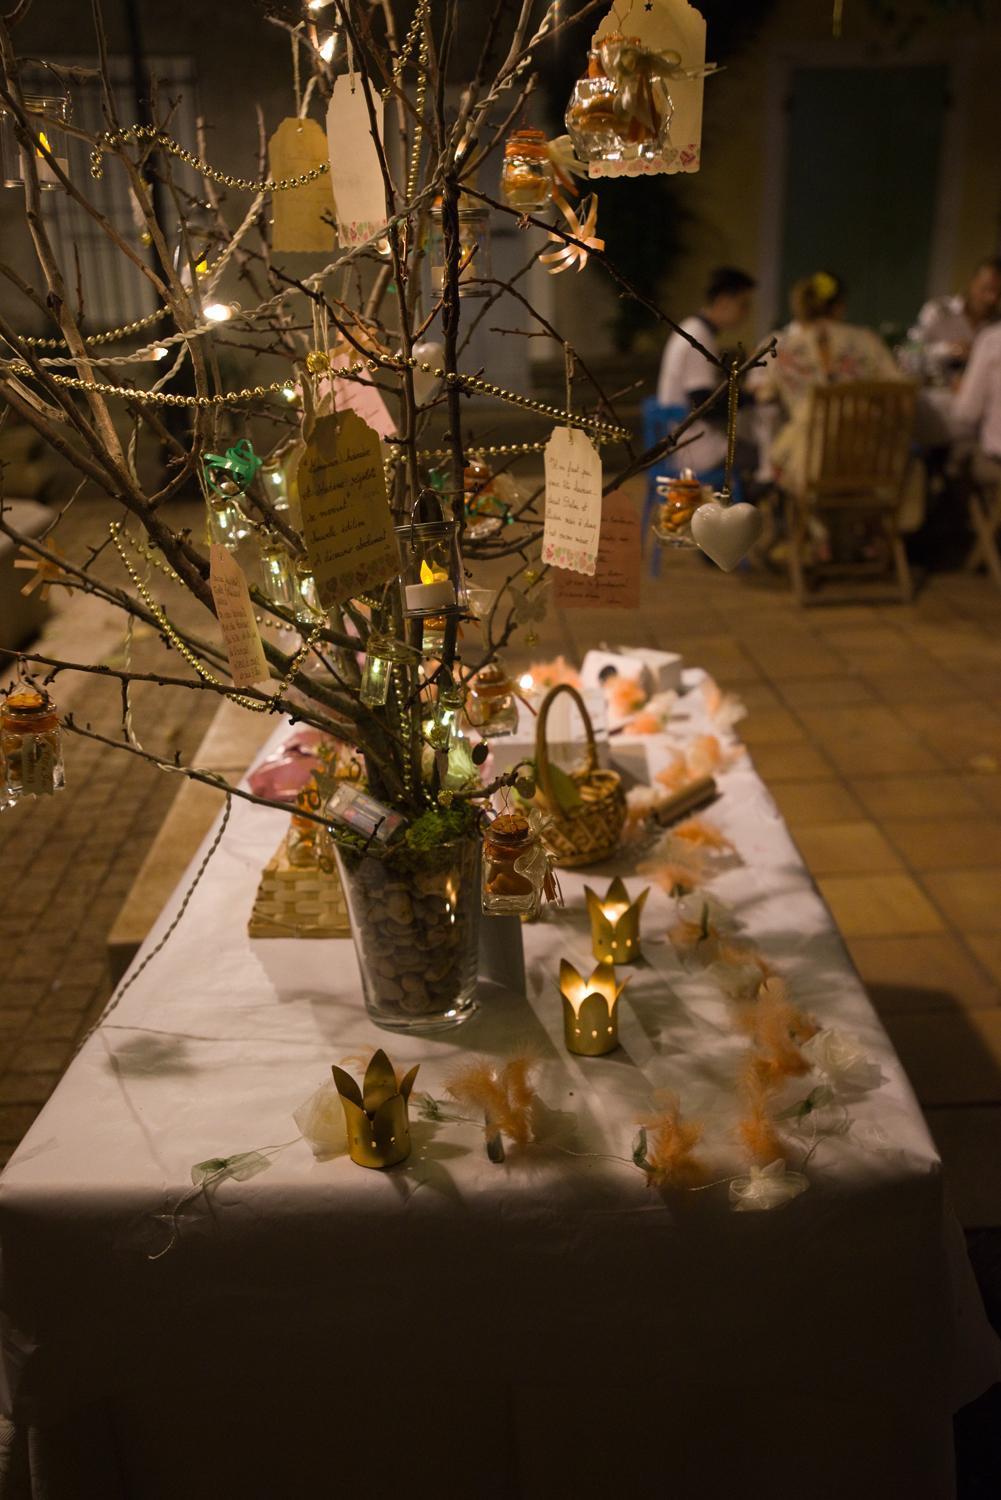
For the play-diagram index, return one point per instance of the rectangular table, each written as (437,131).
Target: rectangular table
(546,1328)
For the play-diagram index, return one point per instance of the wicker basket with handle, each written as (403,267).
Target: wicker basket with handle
(591,831)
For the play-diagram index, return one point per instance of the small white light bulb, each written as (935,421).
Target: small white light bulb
(526,682)
(218,312)
(328,45)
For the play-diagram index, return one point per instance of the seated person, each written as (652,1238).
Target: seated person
(947,326)
(977,410)
(687,378)
(817,348)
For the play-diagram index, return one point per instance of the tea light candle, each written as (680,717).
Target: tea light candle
(590,1009)
(435,590)
(615,923)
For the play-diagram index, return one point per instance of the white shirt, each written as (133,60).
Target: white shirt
(978,400)
(942,324)
(682,371)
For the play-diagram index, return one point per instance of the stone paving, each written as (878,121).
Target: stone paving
(877,729)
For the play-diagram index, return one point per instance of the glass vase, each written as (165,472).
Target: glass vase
(416,933)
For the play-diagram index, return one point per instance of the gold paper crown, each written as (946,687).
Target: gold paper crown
(615,923)
(590,1009)
(376,1115)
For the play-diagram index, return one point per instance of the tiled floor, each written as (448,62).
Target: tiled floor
(878,730)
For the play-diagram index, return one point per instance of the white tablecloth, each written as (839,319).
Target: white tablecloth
(544,1329)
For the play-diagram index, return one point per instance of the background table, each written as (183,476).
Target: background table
(547,1328)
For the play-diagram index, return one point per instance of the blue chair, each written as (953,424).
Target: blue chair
(658,423)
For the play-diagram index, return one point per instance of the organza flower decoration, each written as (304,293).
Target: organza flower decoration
(321,1120)
(841,1058)
(725,709)
(766,1187)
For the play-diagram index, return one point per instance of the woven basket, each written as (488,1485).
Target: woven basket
(298,903)
(592,831)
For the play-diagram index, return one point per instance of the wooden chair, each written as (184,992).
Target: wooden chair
(858,449)
(984,481)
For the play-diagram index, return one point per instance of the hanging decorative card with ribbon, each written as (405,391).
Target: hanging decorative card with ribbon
(615,583)
(659,81)
(298,146)
(355,171)
(346,519)
(247,664)
(573,501)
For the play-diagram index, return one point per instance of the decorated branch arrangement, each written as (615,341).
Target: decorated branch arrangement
(346,513)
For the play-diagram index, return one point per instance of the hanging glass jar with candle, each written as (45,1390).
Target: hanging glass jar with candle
(516,870)
(526,176)
(44,112)
(491,706)
(474,247)
(430,561)
(31,744)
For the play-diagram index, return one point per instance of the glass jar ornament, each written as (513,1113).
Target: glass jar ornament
(382,653)
(516,870)
(680,497)
(474,247)
(43,110)
(308,600)
(526,176)
(31,744)
(621,111)
(227,476)
(491,705)
(591,119)
(444,721)
(278,580)
(430,561)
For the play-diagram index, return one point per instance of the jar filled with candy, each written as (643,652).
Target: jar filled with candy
(526,179)
(31,744)
(680,498)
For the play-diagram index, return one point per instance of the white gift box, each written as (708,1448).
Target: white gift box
(664,667)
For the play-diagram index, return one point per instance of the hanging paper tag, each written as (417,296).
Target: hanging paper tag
(359,395)
(247,664)
(355,173)
(299,146)
(38,763)
(616,580)
(673,35)
(573,501)
(346,520)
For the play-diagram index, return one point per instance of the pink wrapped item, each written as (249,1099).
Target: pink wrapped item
(283,775)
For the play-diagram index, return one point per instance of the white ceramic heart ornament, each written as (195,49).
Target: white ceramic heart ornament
(726,533)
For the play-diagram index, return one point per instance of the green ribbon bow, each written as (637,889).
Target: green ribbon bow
(231,472)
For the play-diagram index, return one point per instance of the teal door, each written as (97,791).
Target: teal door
(863,148)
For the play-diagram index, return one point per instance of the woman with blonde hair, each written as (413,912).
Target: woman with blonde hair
(817,348)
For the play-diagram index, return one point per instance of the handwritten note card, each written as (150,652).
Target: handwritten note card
(615,583)
(573,501)
(247,664)
(355,172)
(346,520)
(299,146)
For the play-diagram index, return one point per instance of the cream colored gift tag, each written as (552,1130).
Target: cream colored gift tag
(247,664)
(299,146)
(355,173)
(346,521)
(573,502)
(675,32)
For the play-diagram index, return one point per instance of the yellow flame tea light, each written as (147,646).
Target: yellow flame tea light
(615,923)
(590,1009)
(435,590)
(376,1115)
